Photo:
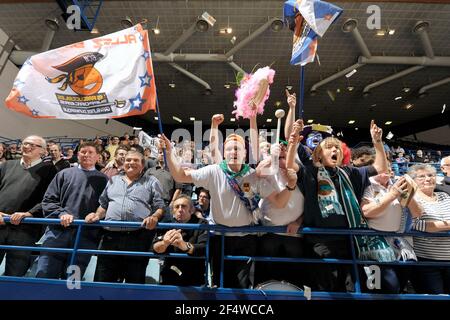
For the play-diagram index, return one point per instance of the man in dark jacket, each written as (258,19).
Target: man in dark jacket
(59,162)
(182,271)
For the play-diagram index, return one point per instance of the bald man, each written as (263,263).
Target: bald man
(23,183)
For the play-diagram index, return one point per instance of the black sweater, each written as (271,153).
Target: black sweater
(22,190)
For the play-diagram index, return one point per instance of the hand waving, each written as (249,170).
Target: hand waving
(376,132)
(291,99)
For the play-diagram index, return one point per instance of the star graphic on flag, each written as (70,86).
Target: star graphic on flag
(141,37)
(28,62)
(23,100)
(34,112)
(137,102)
(18,83)
(145,80)
(145,55)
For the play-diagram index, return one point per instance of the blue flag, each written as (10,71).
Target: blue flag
(308,19)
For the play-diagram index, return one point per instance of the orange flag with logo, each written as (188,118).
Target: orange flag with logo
(106,77)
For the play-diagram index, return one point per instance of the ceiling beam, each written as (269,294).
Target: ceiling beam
(337,1)
(423,124)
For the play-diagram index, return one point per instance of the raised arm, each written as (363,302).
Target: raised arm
(294,140)
(280,199)
(175,169)
(254,140)
(373,207)
(216,155)
(381,164)
(290,119)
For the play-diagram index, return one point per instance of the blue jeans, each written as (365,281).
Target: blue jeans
(53,265)
(431,279)
(389,282)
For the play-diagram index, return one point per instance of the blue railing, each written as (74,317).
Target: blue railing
(252,229)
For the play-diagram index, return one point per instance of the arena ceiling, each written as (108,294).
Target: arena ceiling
(335,102)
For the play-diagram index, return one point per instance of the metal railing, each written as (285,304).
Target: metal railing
(357,294)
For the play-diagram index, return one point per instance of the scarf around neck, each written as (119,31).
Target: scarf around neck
(250,203)
(244,169)
(369,247)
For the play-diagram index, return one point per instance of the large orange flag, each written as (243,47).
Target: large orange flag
(106,77)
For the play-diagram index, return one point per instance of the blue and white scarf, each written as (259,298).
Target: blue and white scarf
(369,247)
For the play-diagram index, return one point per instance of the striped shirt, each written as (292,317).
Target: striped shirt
(437,248)
(133,202)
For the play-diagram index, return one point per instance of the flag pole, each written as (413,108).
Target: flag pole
(302,92)
(160,128)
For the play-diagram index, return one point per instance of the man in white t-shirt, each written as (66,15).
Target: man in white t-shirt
(235,191)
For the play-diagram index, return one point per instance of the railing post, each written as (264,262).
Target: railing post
(222,258)
(355,266)
(207,257)
(73,258)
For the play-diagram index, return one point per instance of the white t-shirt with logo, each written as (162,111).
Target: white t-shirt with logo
(226,208)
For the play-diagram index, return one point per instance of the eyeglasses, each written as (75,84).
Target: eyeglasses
(32,145)
(423,176)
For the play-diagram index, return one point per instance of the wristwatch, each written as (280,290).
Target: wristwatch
(189,247)
(289,188)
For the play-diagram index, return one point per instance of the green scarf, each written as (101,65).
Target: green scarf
(369,247)
(224,166)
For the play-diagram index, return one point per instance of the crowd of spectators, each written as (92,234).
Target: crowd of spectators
(291,185)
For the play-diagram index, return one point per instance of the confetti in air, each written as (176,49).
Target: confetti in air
(389,136)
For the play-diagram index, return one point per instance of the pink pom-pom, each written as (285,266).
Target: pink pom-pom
(249,89)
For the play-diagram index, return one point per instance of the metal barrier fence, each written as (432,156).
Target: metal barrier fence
(80,224)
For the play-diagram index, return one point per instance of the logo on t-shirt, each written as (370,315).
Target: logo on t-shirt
(246,187)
